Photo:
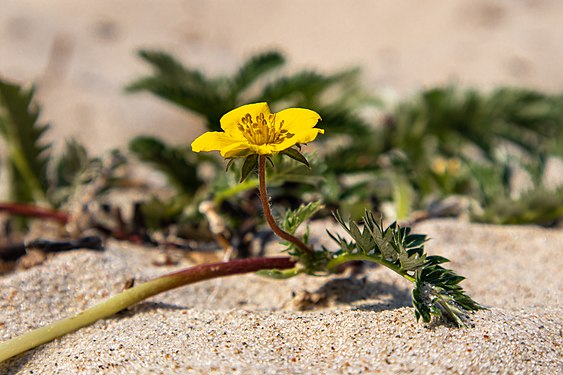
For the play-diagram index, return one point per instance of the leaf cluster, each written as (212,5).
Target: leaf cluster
(312,263)
(28,154)
(294,218)
(428,147)
(178,164)
(436,292)
(502,203)
(467,125)
(449,121)
(258,79)
(422,151)
(394,245)
(254,81)
(35,174)
(440,142)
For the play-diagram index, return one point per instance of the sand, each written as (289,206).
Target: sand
(248,324)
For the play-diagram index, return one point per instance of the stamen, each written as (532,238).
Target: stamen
(263,131)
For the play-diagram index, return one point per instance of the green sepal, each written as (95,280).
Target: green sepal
(249,165)
(280,274)
(229,163)
(296,155)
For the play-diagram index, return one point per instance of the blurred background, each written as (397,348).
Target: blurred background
(81,55)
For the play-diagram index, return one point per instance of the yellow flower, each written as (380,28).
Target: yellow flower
(253,129)
(442,166)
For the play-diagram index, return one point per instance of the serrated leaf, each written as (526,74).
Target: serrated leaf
(304,85)
(294,218)
(411,263)
(296,155)
(436,259)
(178,164)
(254,68)
(183,86)
(444,296)
(73,161)
(452,279)
(27,152)
(415,240)
(383,243)
(248,166)
(343,244)
(436,291)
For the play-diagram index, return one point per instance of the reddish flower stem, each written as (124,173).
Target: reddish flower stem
(28,210)
(128,297)
(232,267)
(268,213)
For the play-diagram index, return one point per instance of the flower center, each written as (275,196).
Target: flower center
(261,131)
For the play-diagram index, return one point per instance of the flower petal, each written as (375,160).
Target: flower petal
(300,122)
(297,120)
(231,119)
(212,141)
(304,136)
(235,149)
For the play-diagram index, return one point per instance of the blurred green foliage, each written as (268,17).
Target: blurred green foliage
(256,80)
(28,155)
(396,159)
(440,142)
(337,96)
(35,174)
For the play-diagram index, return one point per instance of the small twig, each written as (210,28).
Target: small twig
(28,210)
(89,242)
(15,251)
(12,252)
(64,217)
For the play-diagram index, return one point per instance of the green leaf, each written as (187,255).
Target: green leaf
(382,238)
(73,161)
(296,155)
(177,163)
(254,68)
(27,152)
(158,213)
(411,263)
(183,86)
(229,164)
(305,87)
(294,218)
(248,166)
(436,259)
(19,190)
(436,291)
